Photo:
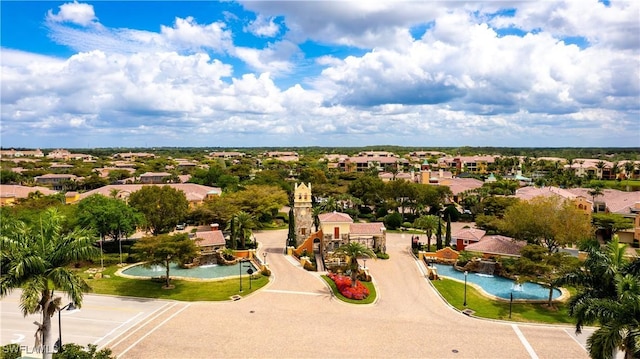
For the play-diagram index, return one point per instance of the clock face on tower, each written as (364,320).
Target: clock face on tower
(303,211)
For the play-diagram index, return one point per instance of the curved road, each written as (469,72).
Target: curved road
(295,316)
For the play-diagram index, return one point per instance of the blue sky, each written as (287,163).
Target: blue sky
(320,73)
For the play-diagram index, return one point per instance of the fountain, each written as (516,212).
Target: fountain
(517,287)
(486,267)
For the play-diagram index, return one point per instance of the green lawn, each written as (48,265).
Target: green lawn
(453,292)
(368,300)
(184,290)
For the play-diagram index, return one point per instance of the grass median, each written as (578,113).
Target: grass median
(453,292)
(185,290)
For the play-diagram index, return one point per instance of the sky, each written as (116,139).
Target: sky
(86,74)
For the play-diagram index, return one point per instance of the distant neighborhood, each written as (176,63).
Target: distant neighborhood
(75,176)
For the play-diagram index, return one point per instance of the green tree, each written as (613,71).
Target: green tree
(244,223)
(261,202)
(75,351)
(447,236)
(429,224)
(549,221)
(36,258)
(165,249)
(162,207)
(393,220)
(610,223)
(536,264)
(109,217)
(609,295)
(291,235)
(355,250)
(370,189)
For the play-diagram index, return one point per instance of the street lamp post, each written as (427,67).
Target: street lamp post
(69,306)
(510,304)
(365,263)
(465,288)
(264,255)
(240,266)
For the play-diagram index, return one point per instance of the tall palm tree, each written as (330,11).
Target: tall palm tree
(36,259)
(355,250)
(244,223)
(609,295)
(429,224)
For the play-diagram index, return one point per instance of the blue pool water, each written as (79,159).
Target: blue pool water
(202,272)
(499,286)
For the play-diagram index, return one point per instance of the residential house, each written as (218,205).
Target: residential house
(466,236)
(154,177)
(12,153)
(55,181)
(9,194)
(196,194)
(131,156)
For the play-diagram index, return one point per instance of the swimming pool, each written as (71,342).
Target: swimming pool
(499,286)
(211,271)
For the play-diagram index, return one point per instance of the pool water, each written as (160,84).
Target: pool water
(499,286)
(203,272)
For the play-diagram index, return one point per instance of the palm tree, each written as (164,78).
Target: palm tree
(354,250)
(429,224)
(244,223)
(600,166)
(609,295)
(36,259)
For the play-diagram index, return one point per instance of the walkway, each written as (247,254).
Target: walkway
(295,316)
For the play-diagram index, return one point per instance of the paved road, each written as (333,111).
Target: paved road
(296,316)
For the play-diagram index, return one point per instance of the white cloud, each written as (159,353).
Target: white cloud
(76,13)
(263,27)
(459,83)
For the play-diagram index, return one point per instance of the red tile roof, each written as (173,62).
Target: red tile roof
(470,234)
(335,217)
(210,238)
(368,229)
(497,245)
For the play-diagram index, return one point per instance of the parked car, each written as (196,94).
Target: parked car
(181,226)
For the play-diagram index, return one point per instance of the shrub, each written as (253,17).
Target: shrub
(382,255)
(393,220)
(10,351)
(343,283)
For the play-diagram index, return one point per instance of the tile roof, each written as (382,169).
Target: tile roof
(210,238)
(529,192)
(616,201)
(17,191)
(193,192)
(374,228)
(335,217)
(471,234)
(497,245)
(459,185)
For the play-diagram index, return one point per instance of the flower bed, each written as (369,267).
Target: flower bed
(343,283)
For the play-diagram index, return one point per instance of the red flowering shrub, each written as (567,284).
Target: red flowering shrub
(343,283)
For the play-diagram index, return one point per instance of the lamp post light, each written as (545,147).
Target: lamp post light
(510,304)
(465,288)
(264,255)
(365,263)
(69,306)
(240,267)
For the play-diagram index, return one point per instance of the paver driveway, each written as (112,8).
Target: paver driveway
(296,317)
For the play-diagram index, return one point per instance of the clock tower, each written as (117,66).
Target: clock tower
(302,212)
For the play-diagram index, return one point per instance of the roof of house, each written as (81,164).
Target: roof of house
(616,201)
(193,192)
(368,229)
(459,185)
(529,192)
(470,234)
(497,245)
(210,238)
(335,217)
(17,191)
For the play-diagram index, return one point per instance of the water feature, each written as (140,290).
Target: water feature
(210,271)
(499,286)
(486,267)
